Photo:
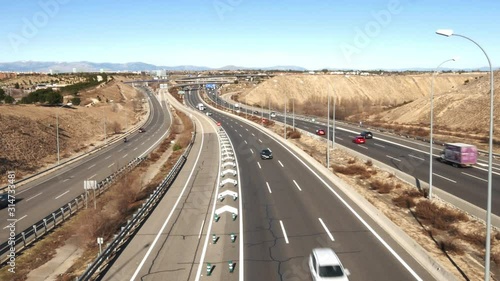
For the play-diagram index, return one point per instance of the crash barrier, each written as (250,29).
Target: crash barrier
(24,239)
(112,248)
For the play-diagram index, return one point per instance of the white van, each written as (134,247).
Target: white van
(325,265)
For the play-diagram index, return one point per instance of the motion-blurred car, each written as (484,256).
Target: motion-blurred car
(141,130)
(266,154)
(209,113)
(325,265)
(359,140)
(366,134)
(320,132)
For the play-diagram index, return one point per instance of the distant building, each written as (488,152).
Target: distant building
(99,78)
(5,75)
(74,69)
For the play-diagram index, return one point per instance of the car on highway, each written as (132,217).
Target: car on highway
(209,113)
(4,200)
(320,132)
(324,264)
(255,112)
(266,153)
(359,140)
(366,134)
(273,114)
(141,130)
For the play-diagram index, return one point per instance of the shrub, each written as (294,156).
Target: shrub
(177,147)
(115,127)
(353,169)
(369,163)
(381,187)
(294,135)
(76,101)
(476,238)
(451,246)
(351,161)
(405,200)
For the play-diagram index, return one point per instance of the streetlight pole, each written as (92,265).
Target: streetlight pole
(293,110)
(432,121)
(328,133)
(449,33)
(57,129)
(284,134)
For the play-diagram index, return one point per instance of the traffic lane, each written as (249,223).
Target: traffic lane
(314,202)
(302,224)
(36,200)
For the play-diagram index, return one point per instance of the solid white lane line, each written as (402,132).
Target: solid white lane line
(260,140)
(416,157)
(379,145)
(297,185)
(90,167)
(284,231)
(107,157)
(393,158)
(111,165)
(125,155)
(16,221)
(444,178)
(201,228)
(160,232)
(326,229)
(281,163)
(33,196)
(92,176)
(251,150)
(259,165)
(474,177)
(61,195)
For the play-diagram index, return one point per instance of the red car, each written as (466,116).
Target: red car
(320,132)
(359,140)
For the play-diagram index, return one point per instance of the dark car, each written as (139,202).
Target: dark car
(359,140)
(4,200)
(320,132)
(366,134)
(255,112)
(141,130)
(266,154)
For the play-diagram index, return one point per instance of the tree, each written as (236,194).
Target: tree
(2,94)
(324,70)
(16,85)
(9,99)
(53,98)
(76,101)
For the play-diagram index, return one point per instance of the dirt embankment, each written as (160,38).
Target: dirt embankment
(29,135)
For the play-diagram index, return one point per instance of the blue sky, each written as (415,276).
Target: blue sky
(387,34)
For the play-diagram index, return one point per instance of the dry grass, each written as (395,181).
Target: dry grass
(451,245)
(381,187)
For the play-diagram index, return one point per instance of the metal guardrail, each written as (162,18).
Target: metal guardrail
(43,226)
(103,260)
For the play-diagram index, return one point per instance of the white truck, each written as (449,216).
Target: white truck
(200,106)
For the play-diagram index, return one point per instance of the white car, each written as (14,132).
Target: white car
(325,265)
(273,114)
(209,113)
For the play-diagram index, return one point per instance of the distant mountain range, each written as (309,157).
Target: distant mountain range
(85,66)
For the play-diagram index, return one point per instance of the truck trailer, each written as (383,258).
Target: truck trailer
(459,154)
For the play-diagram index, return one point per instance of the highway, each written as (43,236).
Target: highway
(38,198)
(412,157)
(290,209)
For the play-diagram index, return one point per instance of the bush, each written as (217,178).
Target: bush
(451,246)
(381,187)
(176,147)
(76,101)
(405,200)
(353,169)
(9,99)
(115,127)
(369,163)
(294,135)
